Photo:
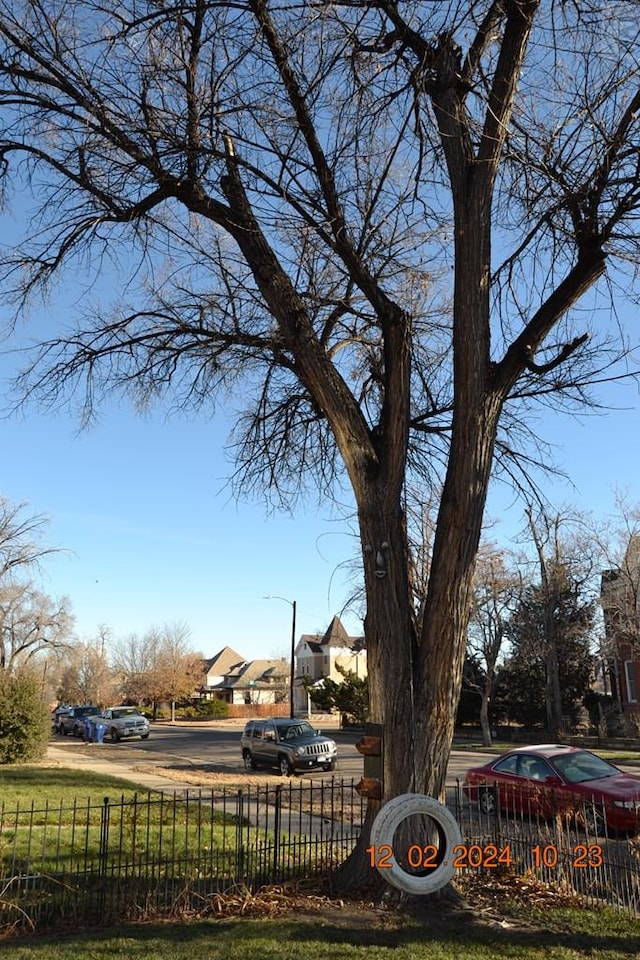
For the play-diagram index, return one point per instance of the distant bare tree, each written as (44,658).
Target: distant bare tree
(160,666)
(134,660)
(21,539)
(497,587)
(32,625)
(567,564)
(179,668)
(86,676)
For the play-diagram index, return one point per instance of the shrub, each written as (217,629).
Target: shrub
(25,723)
(207,710)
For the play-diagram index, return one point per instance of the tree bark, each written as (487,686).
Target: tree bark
(484,719)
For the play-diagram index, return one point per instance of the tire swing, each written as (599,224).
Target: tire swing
(383,831)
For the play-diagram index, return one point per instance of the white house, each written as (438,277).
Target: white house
(319,655)
(228,676)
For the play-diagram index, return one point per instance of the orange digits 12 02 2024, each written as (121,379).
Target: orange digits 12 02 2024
(474,856)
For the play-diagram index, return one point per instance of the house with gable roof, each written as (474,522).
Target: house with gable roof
(320,655)
(215,668)
(257,682)
(229,677)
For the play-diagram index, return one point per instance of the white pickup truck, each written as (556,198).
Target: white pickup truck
(121,722)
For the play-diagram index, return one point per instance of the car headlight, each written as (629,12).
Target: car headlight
(626,804)
(299,751)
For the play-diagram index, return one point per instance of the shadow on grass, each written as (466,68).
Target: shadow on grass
(314,938)
(55,784)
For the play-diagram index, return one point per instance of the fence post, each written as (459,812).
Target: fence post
(103,856)
(239,843)
(277,827)
(104,838)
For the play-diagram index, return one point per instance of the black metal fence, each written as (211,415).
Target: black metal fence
(165,854)
(157,854)
(572,851)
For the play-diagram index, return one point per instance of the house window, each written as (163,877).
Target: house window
(630,676)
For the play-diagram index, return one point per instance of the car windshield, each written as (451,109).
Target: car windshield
(296,731)
(583,765)
(125,712)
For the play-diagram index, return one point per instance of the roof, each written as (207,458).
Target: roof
(255,673)
(278,721)
(545,749)
(223,661)
(335,636)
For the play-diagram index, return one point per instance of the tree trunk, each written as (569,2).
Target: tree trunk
(484,718)
(553,693)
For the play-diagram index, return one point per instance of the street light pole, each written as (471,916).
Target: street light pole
(292,661)
(293,658)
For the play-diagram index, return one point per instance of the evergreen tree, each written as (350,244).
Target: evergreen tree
(522,683)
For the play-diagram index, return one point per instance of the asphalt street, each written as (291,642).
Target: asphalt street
(208,744)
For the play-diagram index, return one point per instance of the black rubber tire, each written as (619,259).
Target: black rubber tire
(115,736)
(284,766)
(248,761)
(328,767)
(487,801)
(591,820)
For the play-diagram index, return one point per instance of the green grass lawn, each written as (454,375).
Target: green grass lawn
(24,785)
(347,934)
(52,820)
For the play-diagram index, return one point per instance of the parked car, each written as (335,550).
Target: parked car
(289,745)
(56,714)
(72,720)
(124,722)
(549,778)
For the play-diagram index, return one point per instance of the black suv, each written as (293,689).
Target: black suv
(289,745)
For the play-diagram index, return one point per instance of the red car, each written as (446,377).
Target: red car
(549,778)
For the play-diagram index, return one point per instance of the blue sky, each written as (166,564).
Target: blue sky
(152,534)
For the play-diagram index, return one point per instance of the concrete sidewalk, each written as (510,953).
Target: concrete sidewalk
(96,762)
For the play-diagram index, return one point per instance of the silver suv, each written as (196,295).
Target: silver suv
(289,745)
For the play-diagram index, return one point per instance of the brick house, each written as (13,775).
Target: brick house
(620,601)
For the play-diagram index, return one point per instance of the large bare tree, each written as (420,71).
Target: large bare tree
(32,624)
(378,218)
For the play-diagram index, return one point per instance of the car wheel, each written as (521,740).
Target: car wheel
(249,762)
(284,767)
(63,731)
(115,735)
(487,800)
(76,730)
(591,820)
(329,766)
(144,736)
